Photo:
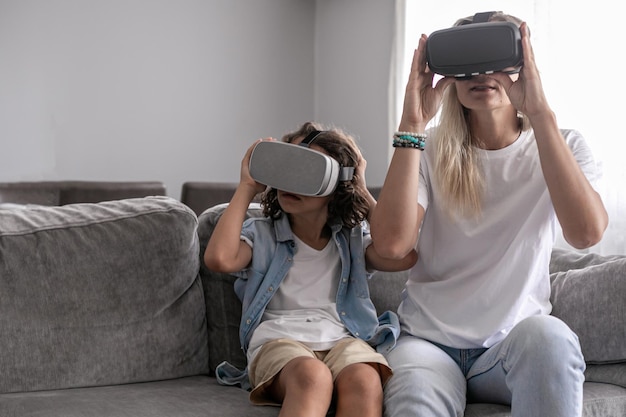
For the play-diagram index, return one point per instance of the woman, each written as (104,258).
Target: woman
(481,205)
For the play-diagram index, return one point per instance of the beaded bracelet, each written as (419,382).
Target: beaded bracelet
(409,140)
(407,145)
(415,135)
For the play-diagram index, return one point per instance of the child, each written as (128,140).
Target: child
(309,329)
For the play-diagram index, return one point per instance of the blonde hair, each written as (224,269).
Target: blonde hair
(457,165)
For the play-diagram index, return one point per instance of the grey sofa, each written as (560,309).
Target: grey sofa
(106,310)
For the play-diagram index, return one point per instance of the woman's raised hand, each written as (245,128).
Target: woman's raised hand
(421,99)
(526,92)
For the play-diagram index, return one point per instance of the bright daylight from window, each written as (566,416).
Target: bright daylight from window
(579,51)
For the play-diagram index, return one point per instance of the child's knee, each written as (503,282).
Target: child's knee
(362,381)
(308,373)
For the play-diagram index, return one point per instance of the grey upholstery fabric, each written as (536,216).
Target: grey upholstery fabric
(599,400)
(201,195)
(200,396)
(28,195)
(58,193)
(197,396)
(563,260)
(589,294)
(614,373)
(386,289)
(98,294)
(223,306)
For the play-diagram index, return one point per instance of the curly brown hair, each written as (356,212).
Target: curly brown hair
(349,203)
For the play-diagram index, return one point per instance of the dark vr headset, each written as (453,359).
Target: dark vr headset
(297,168)
(480,47)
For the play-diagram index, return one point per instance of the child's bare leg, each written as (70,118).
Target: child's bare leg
(359,392)
(305,388)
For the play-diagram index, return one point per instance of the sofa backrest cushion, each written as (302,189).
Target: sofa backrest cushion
(100,294)
(59,193)
(96,191)
(224,308)
(589,294)
(201,195)
(16,193)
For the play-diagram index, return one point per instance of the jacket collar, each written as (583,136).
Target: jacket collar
(284,233)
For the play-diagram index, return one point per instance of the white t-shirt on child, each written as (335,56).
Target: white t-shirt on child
(304,307)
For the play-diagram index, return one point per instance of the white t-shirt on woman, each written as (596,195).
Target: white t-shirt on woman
(476,279)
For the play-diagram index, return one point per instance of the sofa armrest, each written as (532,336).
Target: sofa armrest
(100,294)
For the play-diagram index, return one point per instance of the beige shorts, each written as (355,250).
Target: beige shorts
(274,355)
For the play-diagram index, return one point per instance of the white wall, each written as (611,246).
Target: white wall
(176,90)
(353,41)
(148,89)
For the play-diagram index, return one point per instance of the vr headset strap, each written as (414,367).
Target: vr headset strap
(482,17)
(345,173)
(310,138)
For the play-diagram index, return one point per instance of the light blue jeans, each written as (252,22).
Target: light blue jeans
(538,369)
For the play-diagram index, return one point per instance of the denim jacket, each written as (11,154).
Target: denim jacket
(273,251)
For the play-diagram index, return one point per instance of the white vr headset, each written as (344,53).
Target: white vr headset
(297,168)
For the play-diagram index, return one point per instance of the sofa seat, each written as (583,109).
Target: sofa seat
(195,396)
(202,396)
(599,400)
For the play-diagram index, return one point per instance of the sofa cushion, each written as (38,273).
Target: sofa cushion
(194,396)
(96,191)
(201,195)
(29,195)
(59,193)
(563,260)
(99,294)
(588,293)
(386,289)
(599,400)
(223,305)
(613,373)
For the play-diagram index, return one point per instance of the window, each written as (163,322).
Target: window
(579,52)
